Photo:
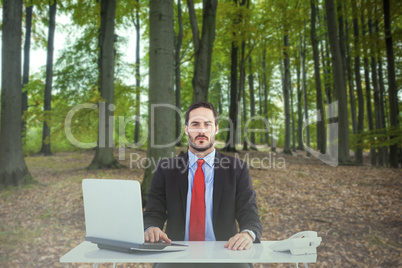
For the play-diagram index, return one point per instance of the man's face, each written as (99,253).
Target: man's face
(201,129)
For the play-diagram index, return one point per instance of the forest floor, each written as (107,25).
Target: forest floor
(355,209)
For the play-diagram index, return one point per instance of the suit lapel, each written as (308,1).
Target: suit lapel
(219,181)
(183,179)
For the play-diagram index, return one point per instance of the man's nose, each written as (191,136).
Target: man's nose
(202,130)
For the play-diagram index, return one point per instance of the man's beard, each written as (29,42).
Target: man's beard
(191,141)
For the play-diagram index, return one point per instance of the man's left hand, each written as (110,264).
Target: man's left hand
(240,241)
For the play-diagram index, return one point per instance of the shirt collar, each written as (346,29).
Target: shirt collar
(209,158)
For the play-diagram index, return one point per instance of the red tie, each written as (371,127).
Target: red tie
(197,211)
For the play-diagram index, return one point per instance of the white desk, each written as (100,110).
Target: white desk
(197,252)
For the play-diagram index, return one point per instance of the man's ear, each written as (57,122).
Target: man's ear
(186,129)
(217,129)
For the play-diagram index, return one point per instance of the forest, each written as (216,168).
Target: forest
(315,83)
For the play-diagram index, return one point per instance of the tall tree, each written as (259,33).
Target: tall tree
(292,115)
(286,90)
(104,152)
(382,92)
(265,88)
(359,89)
(326,63)
(161,89)
(299,105)
(179,41)
(27,57)
(376,92)
(233,109)
(329,94)
(242,88)
(46,150)
(302,49)
(392,89)
(202,46)
(341,36)
(137,26)
(252,98)
(219,89)
(350,79)
(260,112)
(339,85)
(373,158)
(321,136)
(13,170)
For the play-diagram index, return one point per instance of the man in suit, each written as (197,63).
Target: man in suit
(202,193)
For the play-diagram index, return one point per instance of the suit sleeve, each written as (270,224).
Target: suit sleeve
(155,213)
(246,204)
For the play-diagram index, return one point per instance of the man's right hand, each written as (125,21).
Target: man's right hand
(154,234)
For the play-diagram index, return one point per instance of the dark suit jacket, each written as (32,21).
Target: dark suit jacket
(233,198)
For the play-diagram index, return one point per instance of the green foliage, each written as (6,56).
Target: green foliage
(377,138)
(261,26)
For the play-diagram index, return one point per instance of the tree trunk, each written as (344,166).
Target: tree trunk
(382,100)
(104,152)
(286,96)
(203,47)
(350,81)
(219,88)
(359,90)
(252,99)
(304,84)
(382,93)
(13,170)
(27,56)
(231,136)
(179,41)
(260,103)
(328,74)
(265,88)
(325,62)
(292,115)
(233,109)
(339,85)
(299,109)
(373,158)
(321,136)
(392,89)
(341,38)
(137,75)
(46,150)
(161,89)
(377,111)
(243,89)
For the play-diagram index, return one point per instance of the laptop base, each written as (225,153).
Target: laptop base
(127,247)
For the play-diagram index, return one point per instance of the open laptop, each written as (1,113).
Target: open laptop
(113,216)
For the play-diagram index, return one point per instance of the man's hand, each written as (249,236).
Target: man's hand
(240,241)
(154,234)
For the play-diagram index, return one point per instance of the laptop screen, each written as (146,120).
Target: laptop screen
(113,210)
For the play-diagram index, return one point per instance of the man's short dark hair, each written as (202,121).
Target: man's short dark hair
(201,104)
